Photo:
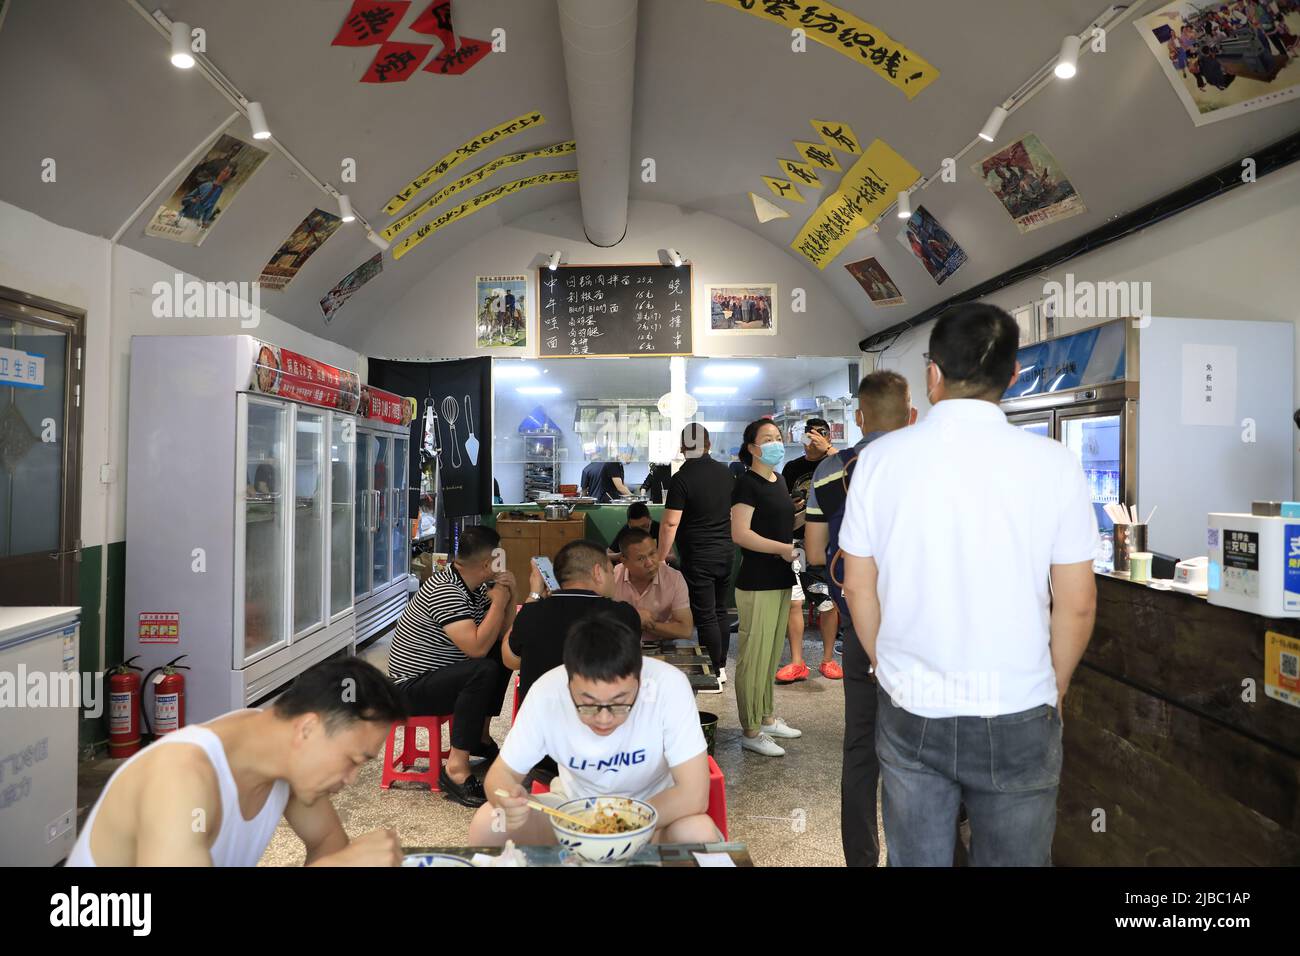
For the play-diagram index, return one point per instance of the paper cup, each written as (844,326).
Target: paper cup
(1139,567)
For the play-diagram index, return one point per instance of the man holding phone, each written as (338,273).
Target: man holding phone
(798,476)
(585,576)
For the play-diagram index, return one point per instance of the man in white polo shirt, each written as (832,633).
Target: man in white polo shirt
(952,532)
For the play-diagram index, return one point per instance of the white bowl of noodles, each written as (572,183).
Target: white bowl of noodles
(620,826)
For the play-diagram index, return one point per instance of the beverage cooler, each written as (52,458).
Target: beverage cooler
(382,562)
(241,491)
(1191,415)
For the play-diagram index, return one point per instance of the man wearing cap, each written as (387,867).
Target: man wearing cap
(798,475)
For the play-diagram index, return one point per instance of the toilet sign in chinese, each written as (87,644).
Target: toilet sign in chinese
(1209,385)
(21,369)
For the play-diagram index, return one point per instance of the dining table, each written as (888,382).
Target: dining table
(652,854)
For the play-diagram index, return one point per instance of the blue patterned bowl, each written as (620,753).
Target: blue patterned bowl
(434,859)
(606,847)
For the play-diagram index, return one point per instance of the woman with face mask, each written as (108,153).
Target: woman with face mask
(762,524)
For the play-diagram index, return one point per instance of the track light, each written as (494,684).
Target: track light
(905,204)
(377,239)
(993,124)
(345,209)
(1067,64)
(554,262)
(675,256)
(182,58)
(257,120)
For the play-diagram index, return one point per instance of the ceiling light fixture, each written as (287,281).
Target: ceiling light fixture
(345,209)
(994,123)
(257,120)
(1067,64)
(538,390)
(675,256)
(554,262)
(513,371)
(377,239)
(182,58)
(905,204)
(714,390)
(733,372)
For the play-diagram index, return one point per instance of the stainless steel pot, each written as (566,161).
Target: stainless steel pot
(557,512)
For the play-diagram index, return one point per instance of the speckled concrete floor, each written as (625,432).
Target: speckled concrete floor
(786,809)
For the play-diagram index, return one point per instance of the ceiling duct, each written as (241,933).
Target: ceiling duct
(599,39)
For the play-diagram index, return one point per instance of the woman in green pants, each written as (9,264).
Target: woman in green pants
(762,525)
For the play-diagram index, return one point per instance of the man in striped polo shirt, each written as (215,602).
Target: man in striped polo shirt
(446,655)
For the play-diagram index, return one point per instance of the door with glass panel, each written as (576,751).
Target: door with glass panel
(401,532)
(266,491)
(1097,437)
(343,443)
(40,443)
(381,523)
(309,524)
(367,447)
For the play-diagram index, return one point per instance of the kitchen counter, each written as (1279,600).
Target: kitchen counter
(1169,732)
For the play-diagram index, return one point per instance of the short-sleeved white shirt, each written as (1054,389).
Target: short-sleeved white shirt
(964,515)
(662,731)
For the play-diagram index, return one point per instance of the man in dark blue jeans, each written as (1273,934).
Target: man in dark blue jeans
(952,532)
(884,404)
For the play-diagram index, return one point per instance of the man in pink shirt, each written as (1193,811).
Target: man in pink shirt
(657,591)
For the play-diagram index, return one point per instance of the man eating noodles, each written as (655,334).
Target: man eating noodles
(616,724)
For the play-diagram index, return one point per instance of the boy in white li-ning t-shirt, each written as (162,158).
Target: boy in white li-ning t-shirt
(615,724)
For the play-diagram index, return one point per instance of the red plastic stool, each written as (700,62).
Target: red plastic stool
(412,752)
(717,797)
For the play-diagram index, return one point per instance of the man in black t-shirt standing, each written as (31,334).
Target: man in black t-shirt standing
(798,475)
(697,517)
(603,480)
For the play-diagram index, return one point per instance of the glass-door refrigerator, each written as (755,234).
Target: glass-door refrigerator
(1191,415)
(383,509)
(240,477)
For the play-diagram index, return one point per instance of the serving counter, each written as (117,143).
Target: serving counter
(1174,754)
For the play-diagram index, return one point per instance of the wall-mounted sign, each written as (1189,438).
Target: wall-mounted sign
(21,369)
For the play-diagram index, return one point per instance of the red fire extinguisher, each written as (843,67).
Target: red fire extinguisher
(124,709)
(168,697)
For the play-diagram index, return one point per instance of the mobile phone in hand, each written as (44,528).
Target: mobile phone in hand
(547,571)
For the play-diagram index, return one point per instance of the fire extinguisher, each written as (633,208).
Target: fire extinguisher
(168,697)
(124,709)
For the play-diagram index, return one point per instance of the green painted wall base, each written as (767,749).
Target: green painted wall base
(95,731)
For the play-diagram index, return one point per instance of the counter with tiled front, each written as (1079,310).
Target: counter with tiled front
(1174,753)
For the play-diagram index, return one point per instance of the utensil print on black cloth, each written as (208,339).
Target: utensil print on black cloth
(451,412)
(471,443)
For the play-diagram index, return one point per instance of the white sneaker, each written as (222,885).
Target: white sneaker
(779,728)
(762,744)
(722,675)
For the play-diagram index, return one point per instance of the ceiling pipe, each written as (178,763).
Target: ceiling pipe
(599,41)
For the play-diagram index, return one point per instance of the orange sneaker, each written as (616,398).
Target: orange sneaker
(792,673)
(831,671)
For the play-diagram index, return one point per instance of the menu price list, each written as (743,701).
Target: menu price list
(615,310)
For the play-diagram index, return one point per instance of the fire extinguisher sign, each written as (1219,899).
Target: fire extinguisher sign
(160,627)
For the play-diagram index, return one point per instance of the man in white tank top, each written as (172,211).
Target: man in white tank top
(212,794)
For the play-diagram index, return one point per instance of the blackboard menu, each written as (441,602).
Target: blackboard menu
(615,310)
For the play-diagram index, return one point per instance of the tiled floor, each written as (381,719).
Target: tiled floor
(785,809)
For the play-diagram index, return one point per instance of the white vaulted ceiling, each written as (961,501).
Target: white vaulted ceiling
(719,97)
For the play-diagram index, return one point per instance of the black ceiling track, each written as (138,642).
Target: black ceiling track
(1270,159)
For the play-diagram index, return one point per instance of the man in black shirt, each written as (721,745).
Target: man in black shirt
(536,643)
(638,516)
(603,480)
(798,475)
(697,518)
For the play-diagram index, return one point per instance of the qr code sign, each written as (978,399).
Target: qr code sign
(1289,664)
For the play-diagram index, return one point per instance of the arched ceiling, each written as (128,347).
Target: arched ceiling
(720,97)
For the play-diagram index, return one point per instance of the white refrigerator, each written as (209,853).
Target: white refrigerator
(382,564)
(240,514)
(38,733)
(1191,415)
